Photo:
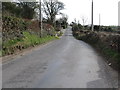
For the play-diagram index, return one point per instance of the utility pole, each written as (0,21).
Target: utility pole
(99,21)
(119,16)
(40,19)
(92,18)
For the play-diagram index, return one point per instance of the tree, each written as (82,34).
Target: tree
(64,22)
(51,8)
(20,9)
(79,26)
(8,7)
(28,9)
(84,20)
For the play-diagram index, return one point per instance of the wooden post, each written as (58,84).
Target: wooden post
(92,18)
(40,19)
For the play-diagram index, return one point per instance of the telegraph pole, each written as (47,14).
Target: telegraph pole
(92,18)
(40,19)
(119,15)
(99,21)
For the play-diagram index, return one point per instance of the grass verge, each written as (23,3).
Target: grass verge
(12,46)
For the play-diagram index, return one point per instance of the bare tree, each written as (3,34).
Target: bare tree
(84,20)
(51,8)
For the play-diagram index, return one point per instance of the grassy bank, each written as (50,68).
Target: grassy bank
(106,43)
(15,45)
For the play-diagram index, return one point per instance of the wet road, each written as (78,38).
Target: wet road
(63,63)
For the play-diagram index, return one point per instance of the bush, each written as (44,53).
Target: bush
(12,28)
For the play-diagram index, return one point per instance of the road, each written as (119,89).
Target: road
(63,63)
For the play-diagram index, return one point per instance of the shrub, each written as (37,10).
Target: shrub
(12,28)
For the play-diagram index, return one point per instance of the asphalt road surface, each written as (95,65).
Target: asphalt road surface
(63,63)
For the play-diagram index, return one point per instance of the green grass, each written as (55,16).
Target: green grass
(12,46)
(31,39)
(111,53)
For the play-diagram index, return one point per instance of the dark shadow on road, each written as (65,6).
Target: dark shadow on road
(69,35)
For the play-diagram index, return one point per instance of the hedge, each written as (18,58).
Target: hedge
(12,28)
(107,43)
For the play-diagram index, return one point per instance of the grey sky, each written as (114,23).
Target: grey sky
(78,8)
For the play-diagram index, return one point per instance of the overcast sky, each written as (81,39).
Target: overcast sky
(108,10)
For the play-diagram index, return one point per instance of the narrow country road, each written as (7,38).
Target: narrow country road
(63,63)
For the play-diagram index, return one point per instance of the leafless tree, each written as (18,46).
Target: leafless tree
(84,20)
(51,8)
